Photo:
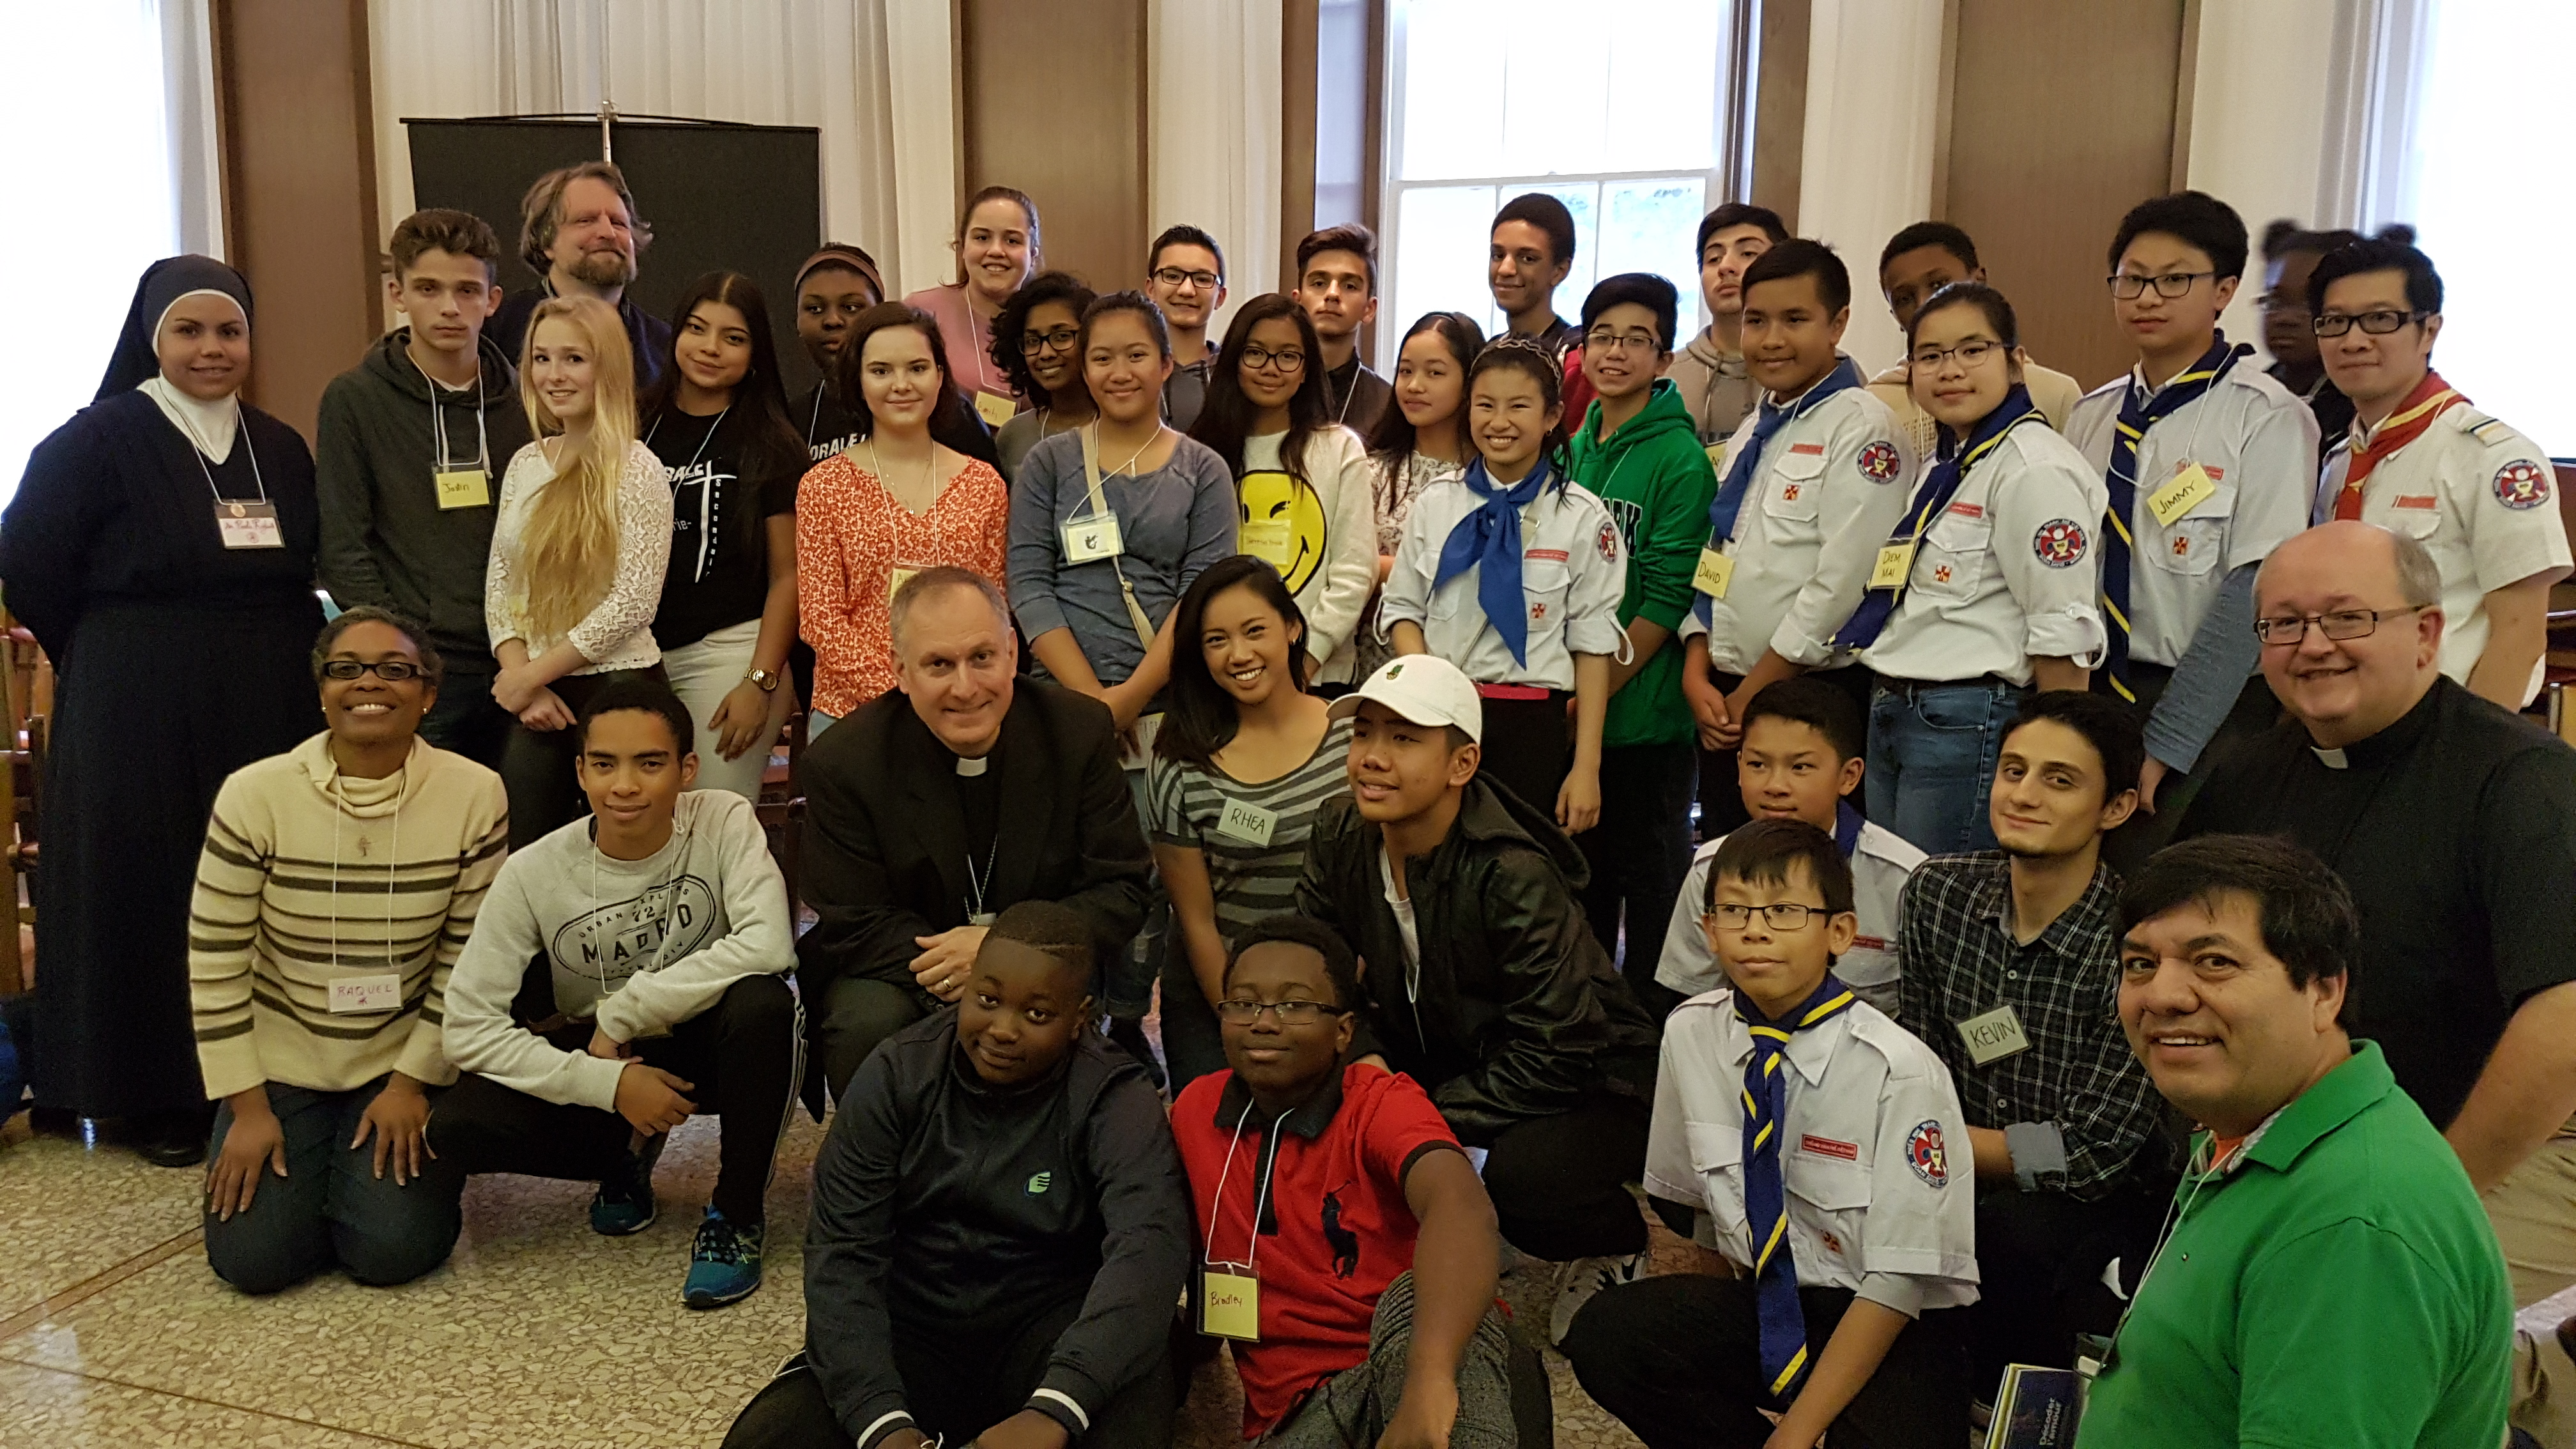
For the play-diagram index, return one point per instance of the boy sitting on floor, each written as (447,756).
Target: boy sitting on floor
(999,1229)
(1805,1137)
(1370,1317)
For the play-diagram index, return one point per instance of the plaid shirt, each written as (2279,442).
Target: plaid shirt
(2079,1075)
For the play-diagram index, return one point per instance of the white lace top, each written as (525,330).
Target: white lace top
(618,631)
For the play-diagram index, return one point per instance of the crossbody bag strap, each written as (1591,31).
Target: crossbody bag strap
(1100,509)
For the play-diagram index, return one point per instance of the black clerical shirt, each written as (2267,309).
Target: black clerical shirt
(2455,828)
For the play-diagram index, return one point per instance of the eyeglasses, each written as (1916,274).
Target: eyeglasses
(1607,340)
(1287,359)
(2281,302)
(391,671)
(1062,339)
(2129,285)
(1779,916)
(2341,624)
(1174,277)
(2377,324)
(1969,353)
(1290,1013)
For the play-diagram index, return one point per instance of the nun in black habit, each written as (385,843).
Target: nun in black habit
(161,549)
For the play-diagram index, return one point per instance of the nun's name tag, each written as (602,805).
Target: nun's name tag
(247,523)
(1088,539)
(1247,822)
(463,488)
(351,994)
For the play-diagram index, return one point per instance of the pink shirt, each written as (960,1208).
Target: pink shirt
(960,329)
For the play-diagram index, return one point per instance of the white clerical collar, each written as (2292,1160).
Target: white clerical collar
(974,766)
(2331,759)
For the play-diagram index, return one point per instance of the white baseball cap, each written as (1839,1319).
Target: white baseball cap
(1423,688)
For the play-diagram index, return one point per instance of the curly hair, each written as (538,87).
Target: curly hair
(1013,321)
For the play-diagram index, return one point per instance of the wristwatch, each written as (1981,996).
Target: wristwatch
(767,680)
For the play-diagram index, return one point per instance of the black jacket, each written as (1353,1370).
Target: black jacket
(1518,1012)
(648,336)
(885,843)
(947,1210)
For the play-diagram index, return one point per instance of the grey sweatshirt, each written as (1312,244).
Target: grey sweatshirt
(385,540)
(639,945)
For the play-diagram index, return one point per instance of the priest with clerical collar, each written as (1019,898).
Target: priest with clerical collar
(907,855)
(2454,823)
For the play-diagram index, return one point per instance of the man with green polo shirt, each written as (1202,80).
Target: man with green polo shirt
(2330,1279)
(1639,451)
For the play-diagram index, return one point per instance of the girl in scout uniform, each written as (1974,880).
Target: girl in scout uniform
(1303,480)
(1514,574)
(1986,585)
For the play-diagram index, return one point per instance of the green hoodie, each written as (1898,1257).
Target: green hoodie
(1656,479)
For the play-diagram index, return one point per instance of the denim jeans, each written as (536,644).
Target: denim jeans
(331,1209)
(1932,755)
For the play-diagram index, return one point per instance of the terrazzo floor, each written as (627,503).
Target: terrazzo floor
(536,1335)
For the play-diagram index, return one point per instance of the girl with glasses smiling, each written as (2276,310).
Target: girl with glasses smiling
(1037,343)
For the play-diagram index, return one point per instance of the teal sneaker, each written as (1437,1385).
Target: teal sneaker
(724,1266)
(623,1205)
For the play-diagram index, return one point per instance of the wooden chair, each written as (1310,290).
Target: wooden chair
(781,807)
(26,700)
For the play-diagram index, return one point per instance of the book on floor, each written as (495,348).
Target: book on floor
(2036,1408)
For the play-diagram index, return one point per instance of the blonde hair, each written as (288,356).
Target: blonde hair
(567,552)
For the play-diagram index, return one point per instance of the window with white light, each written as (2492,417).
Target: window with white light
(1623,117)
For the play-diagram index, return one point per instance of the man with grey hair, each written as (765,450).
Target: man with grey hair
(580,233)
(2454,823)
(906,859)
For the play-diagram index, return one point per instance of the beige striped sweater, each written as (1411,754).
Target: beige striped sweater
(308,877)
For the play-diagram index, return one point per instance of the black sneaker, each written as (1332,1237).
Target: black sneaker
(173,1139)
(624,1203)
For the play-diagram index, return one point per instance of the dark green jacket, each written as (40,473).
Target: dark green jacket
(1655,477)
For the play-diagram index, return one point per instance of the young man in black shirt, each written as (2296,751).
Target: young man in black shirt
(1337,286)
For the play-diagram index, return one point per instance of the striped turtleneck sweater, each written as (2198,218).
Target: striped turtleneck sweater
(312,880)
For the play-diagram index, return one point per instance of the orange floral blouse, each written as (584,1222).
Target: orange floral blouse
(853,538)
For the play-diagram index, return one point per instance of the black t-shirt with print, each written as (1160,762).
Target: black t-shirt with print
(719,571)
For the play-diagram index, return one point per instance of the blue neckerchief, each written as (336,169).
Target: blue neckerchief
(1489,541)
(1728,505)
(1941,484)
(1847,824)
(1782,1323)
(2138,413)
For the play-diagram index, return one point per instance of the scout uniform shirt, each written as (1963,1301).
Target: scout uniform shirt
(1882,1195)
(2007,573)
(1574,569)
(1830,487)
(1881,862)
(2478,496)
(2258,446)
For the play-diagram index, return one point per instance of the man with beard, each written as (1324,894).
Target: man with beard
(578,230)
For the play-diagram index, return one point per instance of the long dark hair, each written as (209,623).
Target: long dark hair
(848,368)
(1529,357)
(772,448)
(1391,442)
(1199,717)
(1012,323)
(1225,420)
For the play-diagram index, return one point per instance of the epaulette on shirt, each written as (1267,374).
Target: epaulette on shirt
(1906,1055)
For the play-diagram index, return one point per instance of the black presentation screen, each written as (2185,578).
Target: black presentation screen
(720,196)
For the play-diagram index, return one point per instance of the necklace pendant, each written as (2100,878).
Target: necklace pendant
(364,845)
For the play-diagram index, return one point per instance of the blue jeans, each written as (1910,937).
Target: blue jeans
(331,1208)
(1932,761)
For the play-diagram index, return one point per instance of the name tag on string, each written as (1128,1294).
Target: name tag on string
(1246,822)
(996,409)
(1230,1304)
(983,918)
(1895,561)
(358,994)
(247,523)
(898,576)
(1088,539)
(1715,572)
(1717,456)
(463,488)
(2187,490)
(1993,1036)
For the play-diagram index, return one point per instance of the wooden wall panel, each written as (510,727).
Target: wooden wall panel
(1052,101)
(1780,105)
(298,142)
(2061,117)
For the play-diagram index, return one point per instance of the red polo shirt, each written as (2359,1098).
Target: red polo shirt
(1334,1231)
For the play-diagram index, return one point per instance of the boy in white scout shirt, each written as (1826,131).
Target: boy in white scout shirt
(1814,480)
(2422,462)
(1801,760)
(1819,1151)
(2209,464)
(1985,586)
(1514,573)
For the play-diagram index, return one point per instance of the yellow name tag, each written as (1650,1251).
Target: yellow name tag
(1271,540)
(1714,573)
(995,408)
(366,993)
(2186,491)
(1895,561)
(1717,457)
(1230,1306)
(463,488)
(896,577)
(1994,1036)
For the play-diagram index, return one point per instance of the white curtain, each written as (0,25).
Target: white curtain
(818,63)
(1865,169)
(1212,116)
